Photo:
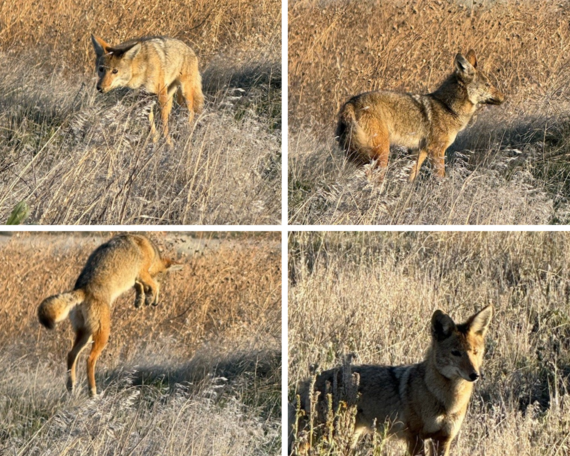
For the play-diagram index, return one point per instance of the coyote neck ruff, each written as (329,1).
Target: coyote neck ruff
(454,97)
(420,402)
(452,394)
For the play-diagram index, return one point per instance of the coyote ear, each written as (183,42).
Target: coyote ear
(442,325)
(471,58)
(479,323)
(101,47)
(127,51)
(130,53)
(464,67)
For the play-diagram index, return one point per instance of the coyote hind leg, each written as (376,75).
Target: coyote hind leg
(100,339)
(81,340)
(192,96)
(379,147)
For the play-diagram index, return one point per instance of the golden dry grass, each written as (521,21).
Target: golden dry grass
(62,28)
(78,157)
(201,371)
(372,295)
(508,166)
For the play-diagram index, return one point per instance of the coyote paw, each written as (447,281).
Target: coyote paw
(140,295)
(375,177)
(139,299)
(149,299)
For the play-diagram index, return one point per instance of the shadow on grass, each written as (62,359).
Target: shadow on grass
(263,365)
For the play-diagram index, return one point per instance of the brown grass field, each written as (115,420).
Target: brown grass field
(372,295)
(509,166)
(199,374)
(74,156)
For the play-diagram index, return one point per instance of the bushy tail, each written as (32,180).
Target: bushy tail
(198,95)
(56,308)
(351,137)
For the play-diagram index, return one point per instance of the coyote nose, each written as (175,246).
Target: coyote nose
(99,89)
(474,376)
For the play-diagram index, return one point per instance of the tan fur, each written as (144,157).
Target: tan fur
(160,65)
(124,262)
(370,122)
(421,402)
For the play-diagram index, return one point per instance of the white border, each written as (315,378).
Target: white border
(284,222)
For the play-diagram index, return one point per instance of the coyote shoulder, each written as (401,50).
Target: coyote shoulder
(162,66)
(124,262)
(370,122)
(420,402)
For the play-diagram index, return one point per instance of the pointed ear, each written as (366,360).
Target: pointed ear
(101,47)
(172,265)
(442,326)
(127,51)
(463,67)
(471,58)
(479,323)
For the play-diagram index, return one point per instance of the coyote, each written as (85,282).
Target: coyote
(370,122)
(160,65)
(125,261)
(421,401)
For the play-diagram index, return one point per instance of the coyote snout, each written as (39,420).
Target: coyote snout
(370,122)
(419,402)
(124,262)
(160,65)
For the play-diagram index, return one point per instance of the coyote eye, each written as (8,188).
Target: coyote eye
(115,71)
(456,353)
(101,69)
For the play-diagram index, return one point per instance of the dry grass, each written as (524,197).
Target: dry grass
(199,374)
(509,166)
(77,157)
(372,295)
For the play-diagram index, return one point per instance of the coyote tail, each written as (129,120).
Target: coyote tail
(56,308)
(350,135)
(198,97)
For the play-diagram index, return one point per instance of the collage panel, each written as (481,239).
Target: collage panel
(458,342)
(186,343)
(138,113)
(407,112)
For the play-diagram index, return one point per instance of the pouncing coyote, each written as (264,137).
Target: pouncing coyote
(420,402)
(370,122)
(162,66)
(124,262)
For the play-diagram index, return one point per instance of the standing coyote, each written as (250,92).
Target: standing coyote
(160,65)
(370,122)
(422,401)
(125,261)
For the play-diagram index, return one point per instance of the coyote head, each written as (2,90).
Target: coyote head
(114,64)
(479,89)
(458,349)
(163,265)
